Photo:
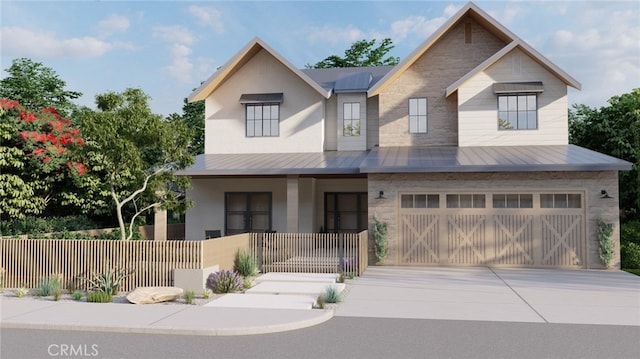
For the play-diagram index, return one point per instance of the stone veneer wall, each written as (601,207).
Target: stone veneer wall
(589,182)
(444,63)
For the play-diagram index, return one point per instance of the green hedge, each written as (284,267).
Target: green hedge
(630,245)
(38,225)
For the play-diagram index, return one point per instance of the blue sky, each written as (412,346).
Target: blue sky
(167,48)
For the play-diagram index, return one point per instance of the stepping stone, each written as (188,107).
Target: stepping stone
(298,277)
(268,301)
(302,288)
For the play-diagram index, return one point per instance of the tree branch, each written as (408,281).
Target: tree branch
(133,219)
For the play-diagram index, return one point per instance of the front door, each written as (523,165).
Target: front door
(247,212)
(345,212)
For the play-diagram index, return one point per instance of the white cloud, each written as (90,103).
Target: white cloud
(417,26)
(112,24)
(334,34)
(451,10)
(28,42)
(179,41)
(174,34)
(208,16)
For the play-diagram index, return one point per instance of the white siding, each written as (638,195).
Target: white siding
(478,106)
(331,124)
(301,114)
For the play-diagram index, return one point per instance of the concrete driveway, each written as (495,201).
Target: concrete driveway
(495,294)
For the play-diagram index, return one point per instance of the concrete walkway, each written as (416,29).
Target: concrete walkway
(487,294)
(490,294)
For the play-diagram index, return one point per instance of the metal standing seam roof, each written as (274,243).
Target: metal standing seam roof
(410,160)
(341,76)
(489,159)
(333,162)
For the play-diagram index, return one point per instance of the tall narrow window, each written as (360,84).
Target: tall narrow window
(517,112)
(351,119)
(263,120)
(418,115)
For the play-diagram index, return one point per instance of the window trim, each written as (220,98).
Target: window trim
(261,105)
(517,95)
(418,116)
(352,120)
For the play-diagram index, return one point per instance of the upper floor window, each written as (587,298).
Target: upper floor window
(263,120)
(418,115)
(351,119)
(517,112)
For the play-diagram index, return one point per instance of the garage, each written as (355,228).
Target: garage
(511,228)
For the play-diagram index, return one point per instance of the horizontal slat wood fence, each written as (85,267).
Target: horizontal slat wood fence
(28,261)
(311,252)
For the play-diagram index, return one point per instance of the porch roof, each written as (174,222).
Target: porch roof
(334,162)
(489,159)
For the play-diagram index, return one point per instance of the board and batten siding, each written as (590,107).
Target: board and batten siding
(478,105)
(352,143)
(301,114)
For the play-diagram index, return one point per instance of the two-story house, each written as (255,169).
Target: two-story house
(462,148)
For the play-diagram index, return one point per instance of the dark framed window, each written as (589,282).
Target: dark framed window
(351,119)
(513,200)
(517,112)
(418,115)
(420,201)
(466,201)
(561,200)
(263,120)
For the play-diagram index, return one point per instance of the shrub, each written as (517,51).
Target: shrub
(630,232)
(605,230)
(21,292)
(331,295)
(206,294)
(77,295)
(630,255)
(40,225)
(381,244)
(188,296)
(224,281)
(110,281)
(245,263)
(51,285)
(99,297)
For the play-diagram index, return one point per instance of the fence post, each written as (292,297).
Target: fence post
(341,252)
(260,249)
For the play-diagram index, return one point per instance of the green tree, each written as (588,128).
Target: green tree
(193,116)
(614,130)
(38,151)
(36,86)
(362,53)
(136,153)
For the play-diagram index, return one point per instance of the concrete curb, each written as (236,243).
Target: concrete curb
(323,316)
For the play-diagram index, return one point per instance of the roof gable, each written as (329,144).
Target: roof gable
(239,60)
(484,19)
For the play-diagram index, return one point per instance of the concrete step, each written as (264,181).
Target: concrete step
(266,301)
(328,278)
(300,288)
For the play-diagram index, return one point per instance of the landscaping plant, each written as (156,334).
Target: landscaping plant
(605,230)
(21,292)
(206,294)
(245,263)
(381,244)
(77,295)
(99,297)
(110,281)
(188,296)
(224,281)
(49,286)
(331,295)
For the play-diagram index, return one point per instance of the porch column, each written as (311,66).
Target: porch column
(160,225)
(293,204)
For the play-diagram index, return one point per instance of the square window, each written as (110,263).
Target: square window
(406,201)
(517,112)
(420,201)
(433,201)
(262,120)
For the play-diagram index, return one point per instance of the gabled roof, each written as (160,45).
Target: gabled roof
(331,77)
(493,26)
(239,60)
(531,52)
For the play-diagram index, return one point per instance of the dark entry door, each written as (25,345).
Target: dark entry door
(247,212)
(345,212)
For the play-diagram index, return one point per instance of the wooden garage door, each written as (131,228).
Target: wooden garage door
(509,229)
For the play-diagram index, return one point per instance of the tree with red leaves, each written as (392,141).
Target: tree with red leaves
(38,150)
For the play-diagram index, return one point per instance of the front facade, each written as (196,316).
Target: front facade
(462,149)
